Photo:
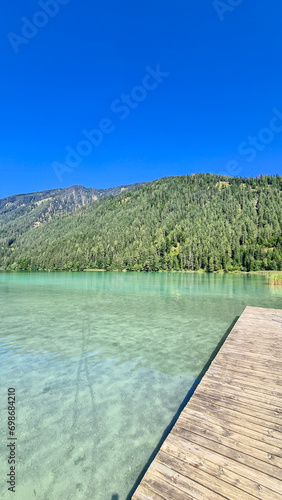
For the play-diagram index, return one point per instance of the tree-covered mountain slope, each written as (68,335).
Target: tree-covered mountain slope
(193,222)
(22,212)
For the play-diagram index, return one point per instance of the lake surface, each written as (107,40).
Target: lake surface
(101,363)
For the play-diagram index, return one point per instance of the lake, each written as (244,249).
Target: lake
(101,363)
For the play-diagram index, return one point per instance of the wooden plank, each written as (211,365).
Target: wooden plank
(248,366)
(260,376)
(251,393)
(231,413)
(202,450)
(145,492)
(165,486)
(265,452)
(204,460)
(202,477)
(222,395)
(232,424)
(229,451)
(250,355)
(227,442)
(223,432)
(245,383)
(244,408)
(186,485)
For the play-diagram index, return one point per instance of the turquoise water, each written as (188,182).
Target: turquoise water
(100,363)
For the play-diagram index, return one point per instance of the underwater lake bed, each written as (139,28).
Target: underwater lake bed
(101,363)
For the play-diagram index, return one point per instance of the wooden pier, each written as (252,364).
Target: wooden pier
(227,442)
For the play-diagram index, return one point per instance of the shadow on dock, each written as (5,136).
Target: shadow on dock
(180,409)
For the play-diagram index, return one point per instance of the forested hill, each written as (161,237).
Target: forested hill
(193,222)
(22,212)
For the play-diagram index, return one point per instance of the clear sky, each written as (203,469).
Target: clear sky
(137,90)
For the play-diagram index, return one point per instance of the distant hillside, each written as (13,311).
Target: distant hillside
(22,212)
(192,222)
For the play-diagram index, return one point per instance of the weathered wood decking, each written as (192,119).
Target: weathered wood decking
(227,442)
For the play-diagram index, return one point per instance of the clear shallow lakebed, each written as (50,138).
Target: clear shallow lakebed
(101,363)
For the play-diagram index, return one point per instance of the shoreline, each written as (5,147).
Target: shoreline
(200,271)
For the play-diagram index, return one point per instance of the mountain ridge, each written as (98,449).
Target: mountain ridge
(203,221)
(20,212)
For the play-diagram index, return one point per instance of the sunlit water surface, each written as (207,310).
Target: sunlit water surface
(101,363)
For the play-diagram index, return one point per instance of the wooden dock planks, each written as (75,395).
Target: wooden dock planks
(227,442)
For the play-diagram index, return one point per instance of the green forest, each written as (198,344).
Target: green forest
(194,222)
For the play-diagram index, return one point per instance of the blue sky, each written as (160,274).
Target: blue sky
(69,66)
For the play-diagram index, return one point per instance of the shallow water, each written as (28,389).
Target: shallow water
(101,363)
